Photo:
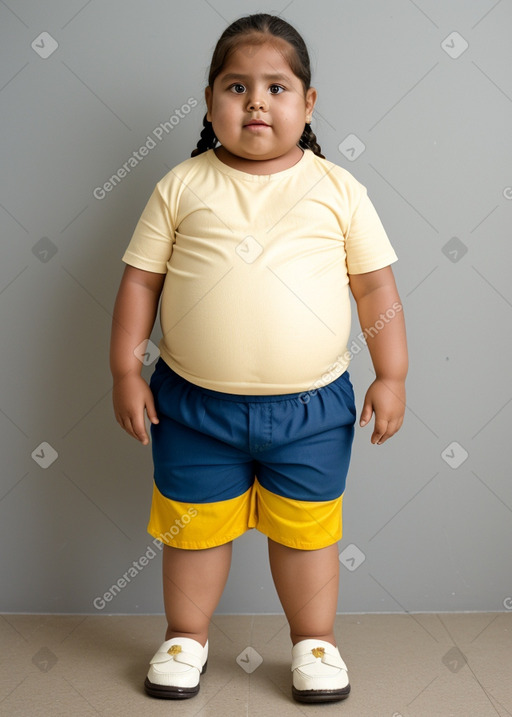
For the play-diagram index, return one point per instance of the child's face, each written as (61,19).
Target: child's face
(257,84)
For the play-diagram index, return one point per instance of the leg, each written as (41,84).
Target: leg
(307,584)
(193,584)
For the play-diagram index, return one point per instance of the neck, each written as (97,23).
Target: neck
(268,165)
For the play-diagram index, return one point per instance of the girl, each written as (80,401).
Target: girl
(252,244)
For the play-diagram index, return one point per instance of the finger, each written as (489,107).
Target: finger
(392,428)
(136,429)
(140,431)
(151,410)
(129,428)
(124,422)
(380,431)
(366,414)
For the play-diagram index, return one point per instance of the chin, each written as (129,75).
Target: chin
(246,154)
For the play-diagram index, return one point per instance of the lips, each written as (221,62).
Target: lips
(256,123)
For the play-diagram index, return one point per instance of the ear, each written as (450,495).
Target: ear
(311,96)
(208,96)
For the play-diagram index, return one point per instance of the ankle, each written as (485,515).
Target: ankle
(329,637)
(200,637)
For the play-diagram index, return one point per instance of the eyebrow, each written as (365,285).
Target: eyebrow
(236,76)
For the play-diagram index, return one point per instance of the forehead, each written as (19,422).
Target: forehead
(250,59)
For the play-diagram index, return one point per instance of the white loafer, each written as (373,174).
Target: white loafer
(319,673)
(175,669)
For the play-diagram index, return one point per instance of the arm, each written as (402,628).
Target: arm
(382,320)
(134,316)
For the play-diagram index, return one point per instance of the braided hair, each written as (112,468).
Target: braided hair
(208,139)
(256,29)
(308,141)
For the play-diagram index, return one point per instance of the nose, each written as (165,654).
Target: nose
(255,103)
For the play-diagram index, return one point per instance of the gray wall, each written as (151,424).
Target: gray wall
(430,511)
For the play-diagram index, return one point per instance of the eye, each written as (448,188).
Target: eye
(237,88)
(276,89)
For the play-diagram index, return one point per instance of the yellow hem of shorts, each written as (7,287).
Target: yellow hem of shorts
(300,524)
(283,520)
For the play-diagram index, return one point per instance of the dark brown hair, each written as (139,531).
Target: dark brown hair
(257,29)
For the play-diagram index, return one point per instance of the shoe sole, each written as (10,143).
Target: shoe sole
(320,695)
(168,692)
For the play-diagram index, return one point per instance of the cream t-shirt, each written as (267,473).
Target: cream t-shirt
(256,295)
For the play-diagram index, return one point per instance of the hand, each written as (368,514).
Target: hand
(131,395)
(385,397)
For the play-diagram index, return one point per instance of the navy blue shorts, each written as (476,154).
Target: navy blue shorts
(225,463)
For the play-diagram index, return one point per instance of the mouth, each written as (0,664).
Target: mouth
(256,123)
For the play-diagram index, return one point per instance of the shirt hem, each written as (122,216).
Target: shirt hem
(144,264)
(374,266)
(258,389)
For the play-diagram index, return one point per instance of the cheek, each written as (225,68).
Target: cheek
(222,123)
(224,111)
(293,119)
(294,113)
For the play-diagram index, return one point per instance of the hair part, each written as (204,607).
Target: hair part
(257,30)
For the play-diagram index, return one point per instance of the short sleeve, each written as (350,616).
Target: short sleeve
(150,247)
(367,245)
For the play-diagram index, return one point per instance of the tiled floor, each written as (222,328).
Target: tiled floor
(427,665)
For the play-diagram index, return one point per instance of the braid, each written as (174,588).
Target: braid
(308,141)
(208,139)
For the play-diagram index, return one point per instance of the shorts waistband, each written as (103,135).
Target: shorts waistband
(304,396)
